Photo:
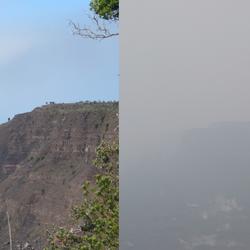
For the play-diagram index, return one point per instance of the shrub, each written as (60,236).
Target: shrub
(97,217)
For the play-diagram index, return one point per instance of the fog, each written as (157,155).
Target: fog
(184,125)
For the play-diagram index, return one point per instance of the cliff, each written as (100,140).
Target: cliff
(45,155)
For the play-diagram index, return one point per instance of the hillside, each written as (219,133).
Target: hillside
(45,155)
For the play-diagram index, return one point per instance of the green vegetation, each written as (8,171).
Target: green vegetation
(106,9)
(103,10)
(97,218)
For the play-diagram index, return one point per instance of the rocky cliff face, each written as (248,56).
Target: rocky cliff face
(45,156)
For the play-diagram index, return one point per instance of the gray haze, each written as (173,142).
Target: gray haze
(184,130)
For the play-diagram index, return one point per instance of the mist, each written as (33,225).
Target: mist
(185,131)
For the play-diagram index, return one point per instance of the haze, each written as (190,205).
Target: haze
(187,68)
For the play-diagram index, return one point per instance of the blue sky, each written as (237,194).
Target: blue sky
(40,59)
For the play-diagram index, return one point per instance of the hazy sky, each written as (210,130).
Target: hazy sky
(193,67)
(40,59)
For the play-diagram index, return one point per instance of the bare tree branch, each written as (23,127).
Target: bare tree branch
(99,33)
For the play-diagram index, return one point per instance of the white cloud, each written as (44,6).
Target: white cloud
(202,240)
(221,205)
(226,205)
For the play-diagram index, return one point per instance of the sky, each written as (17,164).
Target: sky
(41,60)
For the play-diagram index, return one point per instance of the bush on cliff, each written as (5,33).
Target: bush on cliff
(97,218)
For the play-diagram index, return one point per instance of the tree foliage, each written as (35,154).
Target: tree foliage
(97,218)
(106,9)
(103,11)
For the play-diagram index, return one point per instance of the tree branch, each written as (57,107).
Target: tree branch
(99,33)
